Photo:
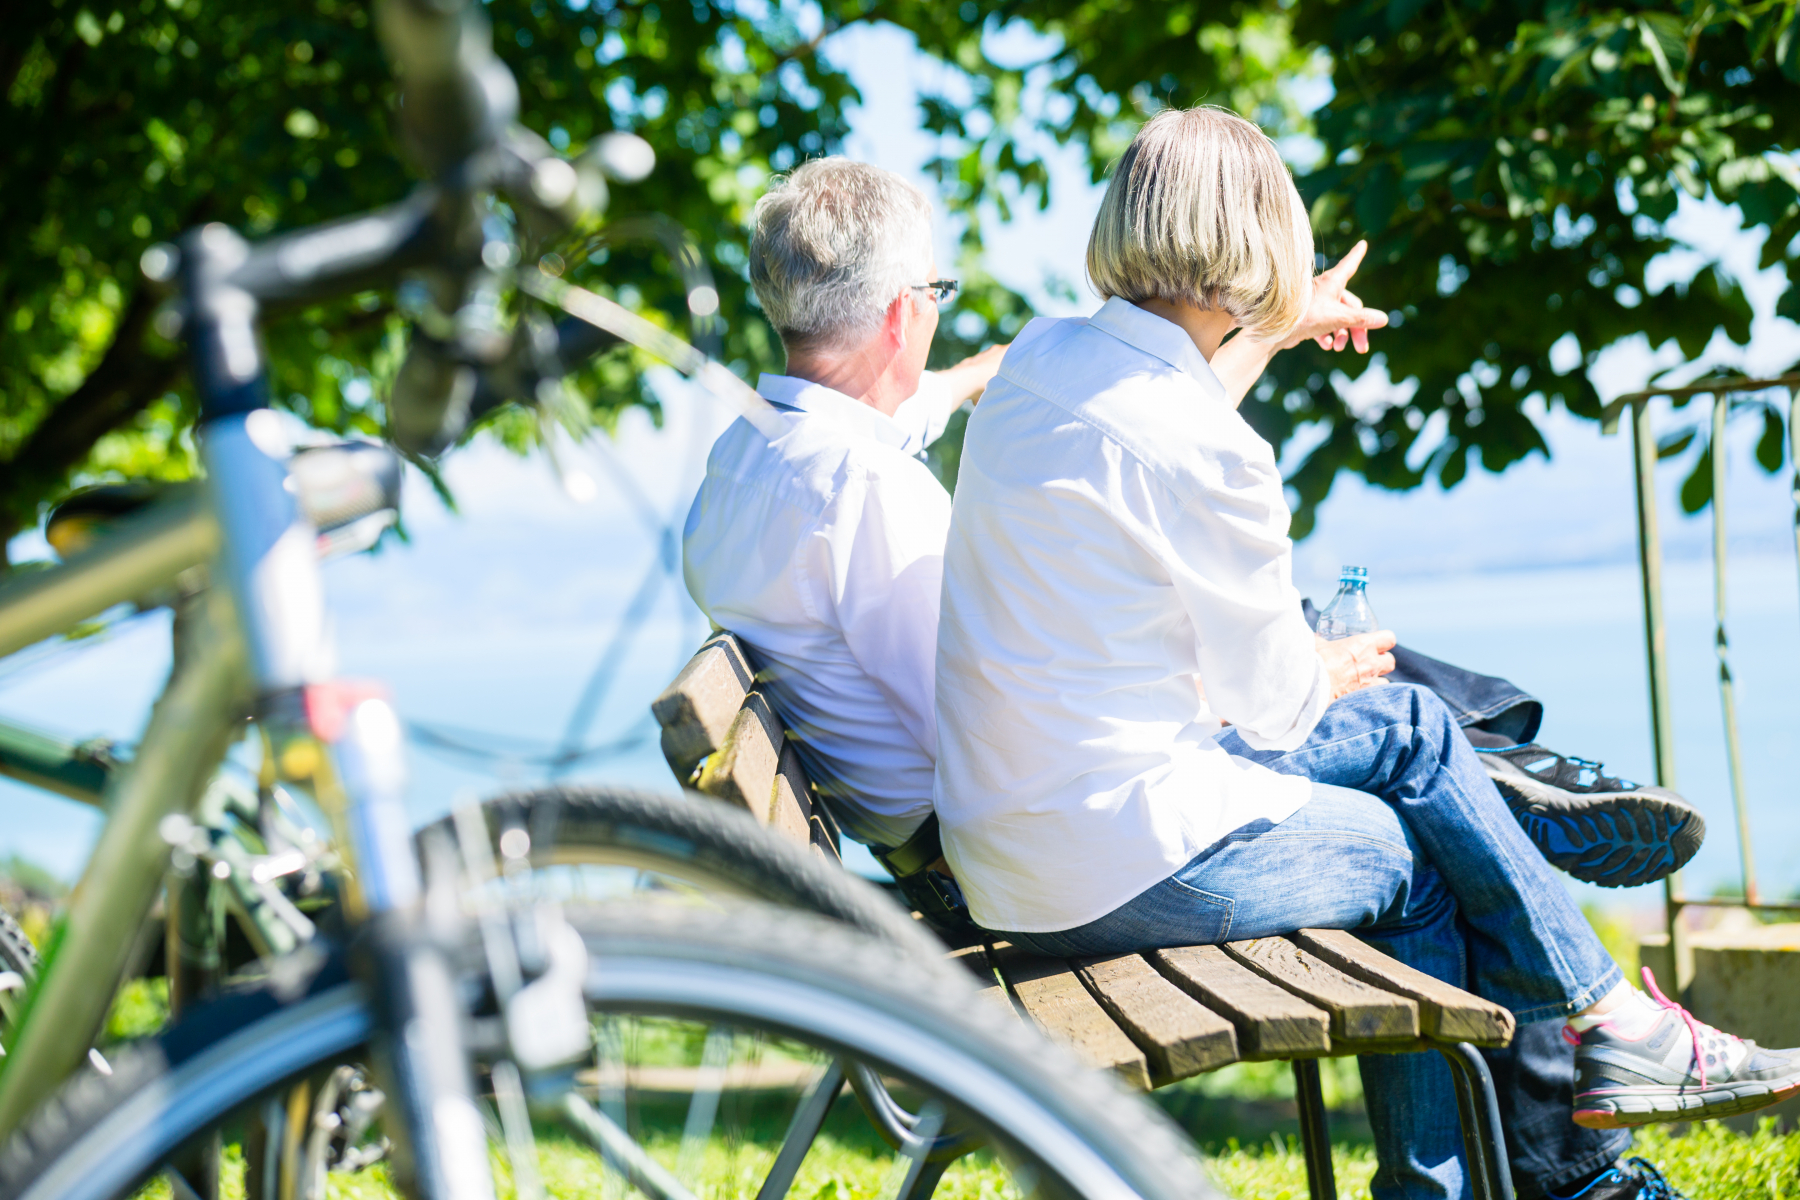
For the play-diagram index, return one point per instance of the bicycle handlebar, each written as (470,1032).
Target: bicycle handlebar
(456,97)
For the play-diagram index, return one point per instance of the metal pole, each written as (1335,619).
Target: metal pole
(1734,754)
(1656,645)
(1315,1136)
(1794,460)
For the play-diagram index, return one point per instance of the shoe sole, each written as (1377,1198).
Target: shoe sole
(1625,1108)
(1619,839)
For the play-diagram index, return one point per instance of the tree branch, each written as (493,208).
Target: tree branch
(120,386)
(807,49)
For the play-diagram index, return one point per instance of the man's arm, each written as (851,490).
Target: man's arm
(970,377)
(926,412)
(1334,318)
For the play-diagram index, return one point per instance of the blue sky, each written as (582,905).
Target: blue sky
(491,620)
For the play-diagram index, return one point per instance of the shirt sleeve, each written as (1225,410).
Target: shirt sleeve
(885,540)
(923,415)
(1232,565)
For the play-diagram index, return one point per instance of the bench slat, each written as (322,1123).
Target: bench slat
(1271,1022)
(1054,998)
(1179,1036)
(790,800)
(697,709)
(1446,1013)
(1361,1014)
(742,769)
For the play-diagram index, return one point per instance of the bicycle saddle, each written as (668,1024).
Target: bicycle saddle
(86,515)
(338,486)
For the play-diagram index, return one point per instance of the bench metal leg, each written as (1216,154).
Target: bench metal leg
(1315,1138)
(930,1139)
(1484,1142)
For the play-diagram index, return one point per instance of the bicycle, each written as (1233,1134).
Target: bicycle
(457,993)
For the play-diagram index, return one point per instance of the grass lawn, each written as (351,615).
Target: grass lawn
(1709,1162)
(1706,1162)
(1242,1118)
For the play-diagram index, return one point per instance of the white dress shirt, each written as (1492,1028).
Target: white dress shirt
(824,550)
(1119,535)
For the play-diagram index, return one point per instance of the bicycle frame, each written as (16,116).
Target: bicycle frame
(246,530)
(207,693)
(255,644)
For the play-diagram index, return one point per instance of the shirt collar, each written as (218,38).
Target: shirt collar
(1159,337)
(815,399)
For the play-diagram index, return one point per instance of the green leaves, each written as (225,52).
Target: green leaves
(1665,38)
(1787,47)
(130,120)
(1512,165)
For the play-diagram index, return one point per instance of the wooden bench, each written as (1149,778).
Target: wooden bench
(1151,1018)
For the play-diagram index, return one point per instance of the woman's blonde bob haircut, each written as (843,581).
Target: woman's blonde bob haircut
(1201,210)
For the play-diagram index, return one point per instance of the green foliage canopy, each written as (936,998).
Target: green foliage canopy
(130,120)
(1511,161)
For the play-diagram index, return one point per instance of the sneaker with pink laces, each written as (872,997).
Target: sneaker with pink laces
(1644,1065)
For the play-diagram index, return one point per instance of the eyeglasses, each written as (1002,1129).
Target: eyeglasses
(942,290)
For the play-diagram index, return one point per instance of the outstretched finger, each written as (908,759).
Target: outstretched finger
(1346,266)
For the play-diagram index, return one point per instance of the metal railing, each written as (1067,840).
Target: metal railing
(1662,731)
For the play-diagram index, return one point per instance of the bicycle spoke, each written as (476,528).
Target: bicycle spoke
(609,1084)
(703,1109)
(621,1153)
(515,1125)
(922,1180)
(912,1164)
(803,1131)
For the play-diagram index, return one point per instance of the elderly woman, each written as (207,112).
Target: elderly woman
(1117,585)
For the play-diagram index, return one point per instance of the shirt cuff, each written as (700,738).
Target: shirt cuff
(1305,721)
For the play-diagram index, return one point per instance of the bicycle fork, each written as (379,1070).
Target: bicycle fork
(403,951)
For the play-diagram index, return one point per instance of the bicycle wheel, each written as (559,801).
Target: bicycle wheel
(601,843)
(718,1035)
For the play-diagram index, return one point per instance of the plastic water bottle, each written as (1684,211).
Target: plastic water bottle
(1349,612)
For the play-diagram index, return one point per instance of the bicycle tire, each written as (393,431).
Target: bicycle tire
(704,841)
(691,837)
(802,976)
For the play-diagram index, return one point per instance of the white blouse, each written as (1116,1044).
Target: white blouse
(1119,535)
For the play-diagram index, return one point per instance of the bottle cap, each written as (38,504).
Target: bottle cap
(1359,574)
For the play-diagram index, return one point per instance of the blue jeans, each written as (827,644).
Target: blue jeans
(1496,920)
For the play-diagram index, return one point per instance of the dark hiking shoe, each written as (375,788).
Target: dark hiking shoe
(1679,1069)
(1628,1179)
(1597,828)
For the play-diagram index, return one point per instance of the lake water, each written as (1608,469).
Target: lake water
(489,623)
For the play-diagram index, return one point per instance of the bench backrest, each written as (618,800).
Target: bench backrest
(721,737)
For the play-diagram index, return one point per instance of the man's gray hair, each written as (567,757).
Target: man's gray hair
(834,243)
